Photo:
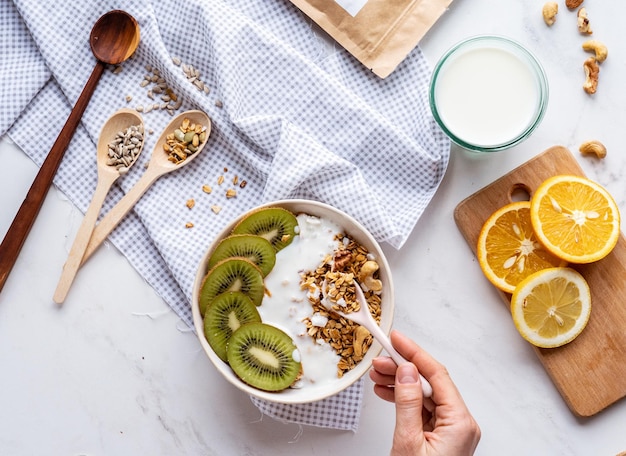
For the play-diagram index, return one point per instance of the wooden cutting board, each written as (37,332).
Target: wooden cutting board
(589,372)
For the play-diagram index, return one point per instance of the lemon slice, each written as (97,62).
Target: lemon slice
(551,307)
(508,250)
(575,218)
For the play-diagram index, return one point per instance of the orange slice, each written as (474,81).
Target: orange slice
(575,218)
(508,250)
(551,307)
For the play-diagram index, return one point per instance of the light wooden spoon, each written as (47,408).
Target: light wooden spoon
(364,318)
(157,167)
(107,175)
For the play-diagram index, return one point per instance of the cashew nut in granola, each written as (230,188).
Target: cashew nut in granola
(593,148)
(366,276)
(598,48)
(592,70)
(550,10)
(584,25)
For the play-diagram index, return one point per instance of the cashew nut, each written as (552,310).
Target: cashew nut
(598,48)
(592,69)
(550,10)
(593,148)
(583,22)
(366,276)
(359,337)
(572,4)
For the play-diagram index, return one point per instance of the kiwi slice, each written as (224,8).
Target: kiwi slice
(232,274)
(226,314)
(254,248)
(262,356)
(275,224)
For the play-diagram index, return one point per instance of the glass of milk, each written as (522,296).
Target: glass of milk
(488,93)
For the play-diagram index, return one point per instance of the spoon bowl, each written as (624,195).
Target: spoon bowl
(158,166)
(114,38)
(107,175)
(364,318)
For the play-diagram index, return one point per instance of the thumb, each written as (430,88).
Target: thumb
(409,401)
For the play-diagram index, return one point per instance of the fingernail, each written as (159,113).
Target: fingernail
(406,373)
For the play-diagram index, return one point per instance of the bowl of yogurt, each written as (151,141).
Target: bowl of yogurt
(488,93)
(291,301)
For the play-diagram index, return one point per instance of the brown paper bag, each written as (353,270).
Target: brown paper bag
(381,33)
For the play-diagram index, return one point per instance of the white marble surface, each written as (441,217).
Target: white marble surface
(115,372)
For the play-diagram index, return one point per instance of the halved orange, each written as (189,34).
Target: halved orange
(508,250)
(551,307)
(575,218)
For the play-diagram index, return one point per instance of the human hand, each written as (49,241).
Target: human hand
(440,425)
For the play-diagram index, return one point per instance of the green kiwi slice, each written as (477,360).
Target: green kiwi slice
(232,274)
(254,248)
(226,314)
(275,224)
(262,356)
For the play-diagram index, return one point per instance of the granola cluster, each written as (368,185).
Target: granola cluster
(349,340)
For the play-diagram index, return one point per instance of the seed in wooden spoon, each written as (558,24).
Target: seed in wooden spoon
(184,141)
(125,148)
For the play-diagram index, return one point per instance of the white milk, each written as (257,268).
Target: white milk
(288,305)
(486,96)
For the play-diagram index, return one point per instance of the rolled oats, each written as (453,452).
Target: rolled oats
(349,340)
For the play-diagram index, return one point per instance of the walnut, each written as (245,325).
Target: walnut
(592,70)
(583,22)
(342,259)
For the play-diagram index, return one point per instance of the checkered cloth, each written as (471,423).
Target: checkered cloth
(290,116)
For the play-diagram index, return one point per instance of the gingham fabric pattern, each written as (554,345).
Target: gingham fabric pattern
(290,116)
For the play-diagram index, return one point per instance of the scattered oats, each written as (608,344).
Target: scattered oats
(150,94)
(139,108)
(144,83)
(243,184)
(235,180)
(147,109)
(117,69)
(220,180)
(151,131)
(219,103)
(191,203)
(216,209)
(129,98)
(231,193)
(176,61)
(188,225)
(206,189)
(148,68)
(206,89)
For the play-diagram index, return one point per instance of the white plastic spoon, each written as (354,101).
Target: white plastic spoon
(107,175)
(364,318)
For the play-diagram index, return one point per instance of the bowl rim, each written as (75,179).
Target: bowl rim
(295,395)
(521,51)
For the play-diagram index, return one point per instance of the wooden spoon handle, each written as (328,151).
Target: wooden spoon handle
(25,217)
(119,211)
(83,235)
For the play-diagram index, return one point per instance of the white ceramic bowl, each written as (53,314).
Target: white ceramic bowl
(310,393)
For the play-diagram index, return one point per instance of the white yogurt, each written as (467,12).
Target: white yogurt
(486,96)
(287,305)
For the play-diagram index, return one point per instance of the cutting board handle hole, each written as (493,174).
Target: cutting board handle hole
(519,192)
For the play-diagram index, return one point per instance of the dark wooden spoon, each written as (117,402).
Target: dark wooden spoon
(113,39)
